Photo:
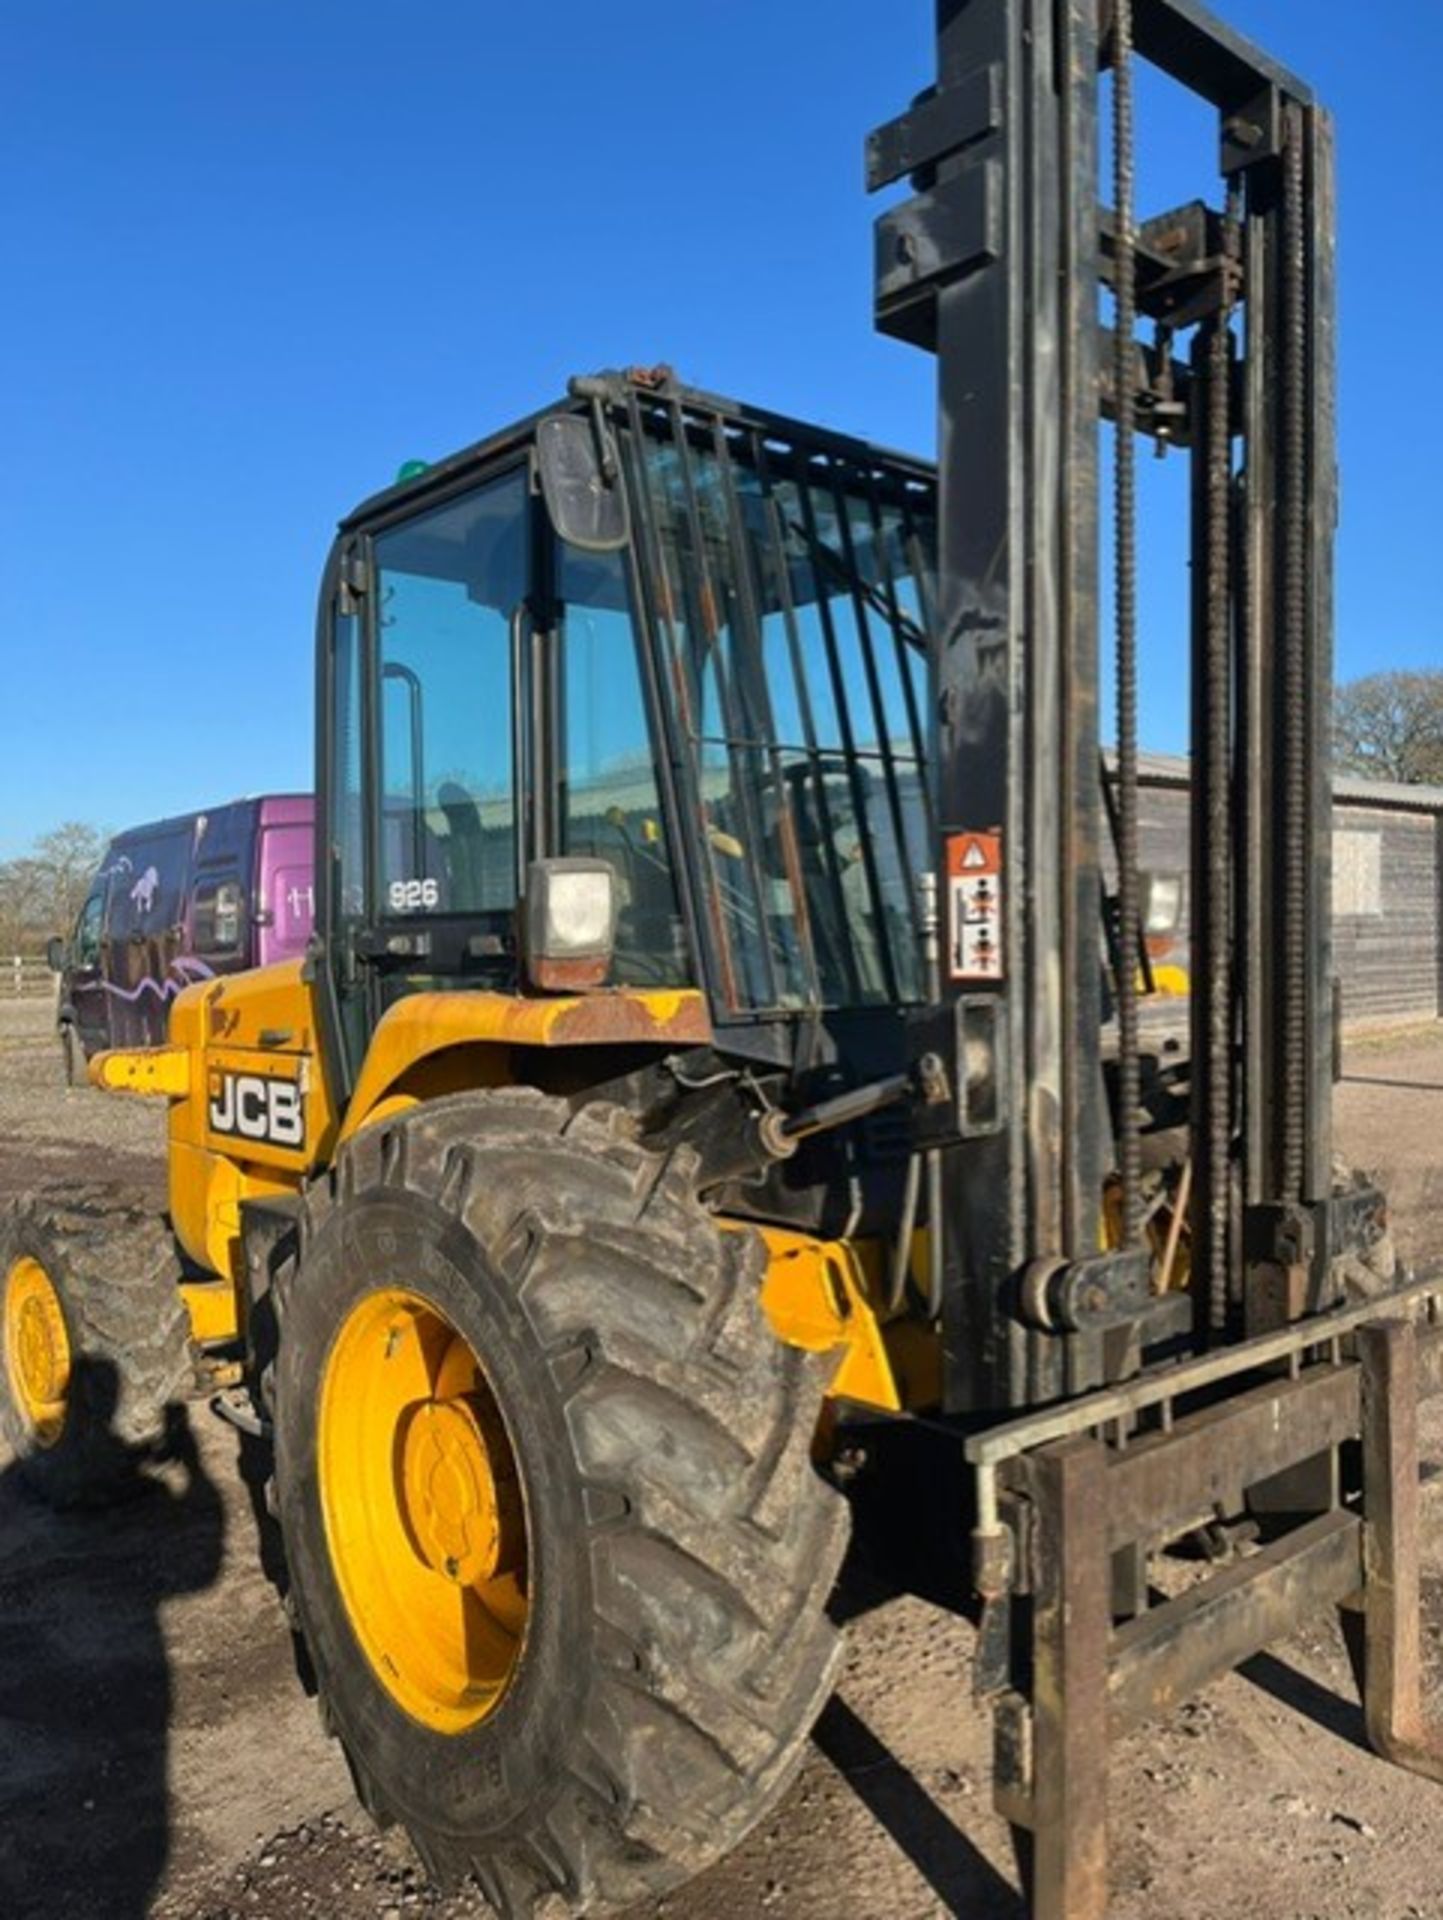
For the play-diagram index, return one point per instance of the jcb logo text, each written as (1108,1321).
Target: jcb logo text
(257,1108)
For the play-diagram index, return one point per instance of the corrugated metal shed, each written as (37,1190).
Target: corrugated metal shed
(1387,884)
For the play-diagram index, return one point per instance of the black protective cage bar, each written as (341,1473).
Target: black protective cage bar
(725,512)
(995,264)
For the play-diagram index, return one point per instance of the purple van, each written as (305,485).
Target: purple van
(178,901)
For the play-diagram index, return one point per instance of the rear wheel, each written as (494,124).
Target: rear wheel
(556,1544)
(94,1340)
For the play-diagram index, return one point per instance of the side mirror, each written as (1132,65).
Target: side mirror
(569,924)
(581,481)
(56,955)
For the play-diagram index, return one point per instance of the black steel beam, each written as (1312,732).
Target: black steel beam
(1189,42)
(1162,1483)
(994,266)
(1169,1652)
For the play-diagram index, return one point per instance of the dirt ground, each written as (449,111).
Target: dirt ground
(158,1757)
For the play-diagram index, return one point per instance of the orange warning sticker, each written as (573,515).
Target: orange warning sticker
(974,905)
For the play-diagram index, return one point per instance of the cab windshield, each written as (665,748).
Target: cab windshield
(792,591)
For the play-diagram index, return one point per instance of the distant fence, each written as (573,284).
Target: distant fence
(26,977)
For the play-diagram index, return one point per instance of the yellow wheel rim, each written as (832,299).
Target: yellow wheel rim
(37,1349)
(423,1511)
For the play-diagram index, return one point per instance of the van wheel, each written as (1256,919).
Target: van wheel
(72,1053)
(558,1550)
(94,1341)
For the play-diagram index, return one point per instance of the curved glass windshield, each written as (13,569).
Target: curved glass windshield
(792,587)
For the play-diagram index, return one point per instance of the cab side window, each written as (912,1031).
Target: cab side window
(610,806)
(451,588)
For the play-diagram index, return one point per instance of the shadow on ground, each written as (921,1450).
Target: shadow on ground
(898,1547)
(85,1684)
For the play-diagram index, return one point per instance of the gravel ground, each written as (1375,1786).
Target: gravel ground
(158,1758)
(51,1132)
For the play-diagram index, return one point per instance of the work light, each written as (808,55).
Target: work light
(570,923)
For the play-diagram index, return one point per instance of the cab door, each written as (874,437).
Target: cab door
(425,742)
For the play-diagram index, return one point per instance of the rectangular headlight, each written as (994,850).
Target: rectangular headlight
(570,922)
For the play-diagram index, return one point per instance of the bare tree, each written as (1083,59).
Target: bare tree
(67,856)
(41,892)
(21,905)
(1389,726)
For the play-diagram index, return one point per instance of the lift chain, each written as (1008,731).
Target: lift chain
(1295,388)
(1217,985)
(1129,1083)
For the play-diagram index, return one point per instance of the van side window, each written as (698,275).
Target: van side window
(219,914)
(87,930)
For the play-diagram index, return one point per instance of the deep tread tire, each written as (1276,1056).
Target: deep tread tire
(113,1264)
(683,1547)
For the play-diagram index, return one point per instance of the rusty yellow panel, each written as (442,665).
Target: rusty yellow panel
(160,1071)
(214,1310)
(423,1025)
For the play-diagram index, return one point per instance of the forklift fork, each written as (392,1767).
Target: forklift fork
(1103,1488)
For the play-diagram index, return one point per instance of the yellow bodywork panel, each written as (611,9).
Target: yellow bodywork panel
(425,1025)
(255,1117)
(164,1071)
(823,1296)
(251,1116)
(214,1310)
(251,1112)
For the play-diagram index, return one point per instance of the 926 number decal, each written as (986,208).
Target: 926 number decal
(413,896)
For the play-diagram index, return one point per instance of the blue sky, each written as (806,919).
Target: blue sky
(258,254)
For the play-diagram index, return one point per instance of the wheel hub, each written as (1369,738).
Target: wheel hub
(37,1349)
(424,1513)
(450,1492)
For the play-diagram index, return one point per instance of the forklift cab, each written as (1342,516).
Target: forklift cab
(652,644)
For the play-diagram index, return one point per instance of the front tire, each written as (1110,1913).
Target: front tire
(661,1559)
